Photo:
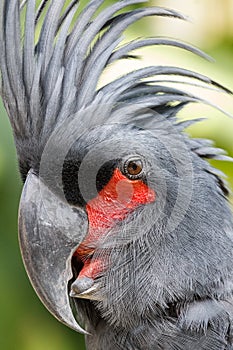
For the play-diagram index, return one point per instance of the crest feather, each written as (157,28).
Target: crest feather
(44,81)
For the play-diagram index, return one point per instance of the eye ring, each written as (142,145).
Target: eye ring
(133,168)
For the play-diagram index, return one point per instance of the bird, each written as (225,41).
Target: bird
(125,228)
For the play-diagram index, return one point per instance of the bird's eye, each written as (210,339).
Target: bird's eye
(133,168)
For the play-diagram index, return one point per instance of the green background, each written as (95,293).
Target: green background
(24,322)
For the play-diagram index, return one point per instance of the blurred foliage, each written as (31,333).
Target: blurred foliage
(24,323)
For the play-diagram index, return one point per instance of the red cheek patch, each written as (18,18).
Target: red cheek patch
(119,197)
(112,204)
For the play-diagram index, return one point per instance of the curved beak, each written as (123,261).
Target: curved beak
(49,232)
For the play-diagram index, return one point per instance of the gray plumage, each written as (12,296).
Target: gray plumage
(169,281)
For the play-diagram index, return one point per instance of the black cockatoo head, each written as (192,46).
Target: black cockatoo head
(123,226)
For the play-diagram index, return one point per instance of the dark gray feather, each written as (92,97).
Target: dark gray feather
(139,43)
(29,43)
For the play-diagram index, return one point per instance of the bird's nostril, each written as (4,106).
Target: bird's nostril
(81,285)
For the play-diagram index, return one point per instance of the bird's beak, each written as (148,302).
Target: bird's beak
(49,232)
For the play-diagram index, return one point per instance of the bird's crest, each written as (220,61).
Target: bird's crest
(51,72)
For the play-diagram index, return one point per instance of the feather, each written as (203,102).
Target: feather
(81,25)
(136,44)
(73,5)
(48,33)
(56,61)
(28,48)
(31,83)
(129,79)
(115,30)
